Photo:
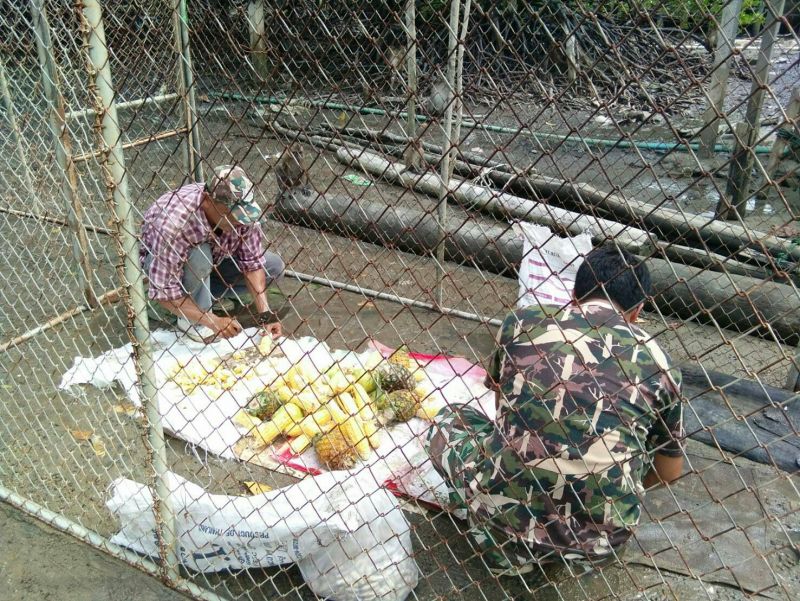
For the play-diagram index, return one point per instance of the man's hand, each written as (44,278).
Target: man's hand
(225,327)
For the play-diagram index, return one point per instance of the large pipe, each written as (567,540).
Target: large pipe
(739,303)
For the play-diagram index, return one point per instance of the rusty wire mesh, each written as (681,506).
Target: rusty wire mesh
(585,113)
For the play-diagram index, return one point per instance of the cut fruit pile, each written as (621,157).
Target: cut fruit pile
(218,375)
(341,411)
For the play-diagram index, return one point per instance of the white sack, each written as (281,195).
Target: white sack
(349,535)
(549,265)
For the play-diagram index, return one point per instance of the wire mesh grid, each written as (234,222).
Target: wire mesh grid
(669,126)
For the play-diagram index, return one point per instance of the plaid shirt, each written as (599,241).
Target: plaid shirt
(174,225)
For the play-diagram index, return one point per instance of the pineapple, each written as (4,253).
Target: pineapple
(264,404)
(392,376)
(335,450)
(402,357)
(403,404)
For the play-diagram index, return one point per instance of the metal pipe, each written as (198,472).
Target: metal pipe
(164,135)
(408,302)
(448,144)
(180,19)
(63,149)
(11,116)
(56,220)
(113,164)
(110,297)
(733,204)
(726,38)
(97,541)
(413,155)
(258,39)
(130,104)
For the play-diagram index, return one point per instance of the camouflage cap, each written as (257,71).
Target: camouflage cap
(229,185)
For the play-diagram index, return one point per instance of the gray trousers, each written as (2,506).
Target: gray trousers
(205,282)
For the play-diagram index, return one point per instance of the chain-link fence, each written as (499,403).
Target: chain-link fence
(403,153)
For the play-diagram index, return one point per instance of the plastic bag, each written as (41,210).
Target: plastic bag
(349,536)
(549,265)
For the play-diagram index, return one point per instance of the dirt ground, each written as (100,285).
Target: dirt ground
(51,566)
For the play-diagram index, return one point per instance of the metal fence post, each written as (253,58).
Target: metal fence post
(447,144)
(180,20)
(733,204)
(11,116)
(413,154)
(113,163)
(726,38)
(63,150)
(258,39)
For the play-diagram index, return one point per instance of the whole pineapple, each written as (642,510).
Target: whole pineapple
(264,404)
(403,405)
(402,357)
(392,376)
(335,451)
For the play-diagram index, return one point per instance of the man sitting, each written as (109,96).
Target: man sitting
(588,416)
(202,242)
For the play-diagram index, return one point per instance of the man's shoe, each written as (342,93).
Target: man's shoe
(195,331)
(225,306)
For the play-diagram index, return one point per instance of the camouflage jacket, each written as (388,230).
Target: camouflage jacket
(585,399)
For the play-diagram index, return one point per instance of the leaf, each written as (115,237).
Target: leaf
(368,303)
(98,446)
(81,435)
(256,488)
(126,409)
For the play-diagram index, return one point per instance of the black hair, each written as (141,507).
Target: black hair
(612,273)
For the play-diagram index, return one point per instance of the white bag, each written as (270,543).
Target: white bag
(549,265)
(374,562)
(348,534)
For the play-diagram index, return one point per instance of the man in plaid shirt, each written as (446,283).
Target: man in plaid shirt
(202,242)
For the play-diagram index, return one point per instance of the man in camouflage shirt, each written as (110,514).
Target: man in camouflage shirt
(588,416)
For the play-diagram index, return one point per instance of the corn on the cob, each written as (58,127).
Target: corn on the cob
(244,420)
(306,400)
(337,380)
(317,423)
(282,420)
(353,427)
(299,444)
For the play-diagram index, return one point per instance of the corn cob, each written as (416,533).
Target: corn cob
(318,422)
(353,427)
(299,444)
(367,414)
(282,420)
(244,420)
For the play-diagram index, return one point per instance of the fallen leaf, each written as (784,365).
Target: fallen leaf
(256,488)
(81,435)
(125,409)
(368,303)
(98,446)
